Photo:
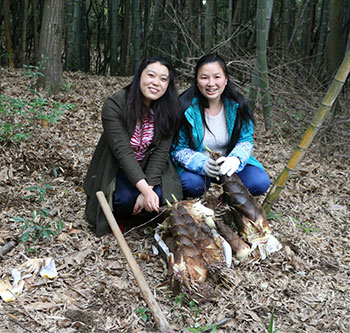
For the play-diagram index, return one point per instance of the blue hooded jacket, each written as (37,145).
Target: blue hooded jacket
(193,160)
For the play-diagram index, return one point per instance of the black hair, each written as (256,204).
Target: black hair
(244,115)
(166,109)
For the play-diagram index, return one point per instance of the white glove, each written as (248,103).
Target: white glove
(211,167)
(229,165)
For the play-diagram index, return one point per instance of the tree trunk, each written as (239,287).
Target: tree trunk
(308,27)
(299,19)
(208,26)
(168,27)
(51,45)
(262,33)
(36,30)
(285,31)
(125,38)
(345,24)
(145,27)
(334,51)
(24,32)
(156,37)
(254,86)
(114,33)
(76,35)
(137,33)
(229,19)
(84,51)
(9,48)
(196,22)
(322,37)
(69,36)
(348,42)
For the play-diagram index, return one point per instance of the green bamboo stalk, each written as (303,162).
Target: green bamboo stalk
(261,53)
(318,118)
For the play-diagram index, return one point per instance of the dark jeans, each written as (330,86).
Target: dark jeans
(255,179)
(125,195)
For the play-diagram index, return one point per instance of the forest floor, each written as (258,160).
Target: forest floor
(305,285)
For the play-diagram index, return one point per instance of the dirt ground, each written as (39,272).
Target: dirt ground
(305,285)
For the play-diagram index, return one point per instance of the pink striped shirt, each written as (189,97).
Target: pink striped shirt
(143,136)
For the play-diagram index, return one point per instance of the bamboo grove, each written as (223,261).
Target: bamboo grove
(111,36)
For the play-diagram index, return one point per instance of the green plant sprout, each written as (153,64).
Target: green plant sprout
(18,118)
(143,313)
(179,299)
(36,227)
(198,329)
(194,306)
(40,191)
(271,215)
(308,227)
(272,324)
(34,72)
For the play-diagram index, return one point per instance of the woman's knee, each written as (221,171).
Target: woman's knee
(261,185)
(255,179)
(193,184)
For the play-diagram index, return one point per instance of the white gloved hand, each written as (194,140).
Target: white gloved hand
(211,167)
(229,165)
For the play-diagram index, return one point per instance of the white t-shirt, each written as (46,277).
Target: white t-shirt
(217,140)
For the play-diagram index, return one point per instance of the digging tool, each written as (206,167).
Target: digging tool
(146,291)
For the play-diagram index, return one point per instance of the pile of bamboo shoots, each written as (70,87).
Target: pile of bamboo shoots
(198,244)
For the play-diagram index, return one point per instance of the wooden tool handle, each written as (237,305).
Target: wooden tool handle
(146,291)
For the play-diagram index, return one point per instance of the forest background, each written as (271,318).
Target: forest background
(61,59)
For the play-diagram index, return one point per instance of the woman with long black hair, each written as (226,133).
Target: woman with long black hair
(215,115)
(131,163)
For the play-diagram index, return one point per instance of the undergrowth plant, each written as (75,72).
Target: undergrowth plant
(41,224)
(271,215)
(272,324)
(38,192)
(19,117)
(181,301)
(143,313)
(307,227)
(199,329)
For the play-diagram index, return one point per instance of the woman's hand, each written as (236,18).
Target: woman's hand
(147,199)
(138,205)
(229,165)
(151,201)
(211,167)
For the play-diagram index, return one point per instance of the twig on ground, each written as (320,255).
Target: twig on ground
(147,222)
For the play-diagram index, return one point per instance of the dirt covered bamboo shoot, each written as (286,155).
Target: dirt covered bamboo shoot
(188,266)
(245,204)
(239,248)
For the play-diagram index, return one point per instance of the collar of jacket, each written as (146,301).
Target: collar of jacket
(194,117)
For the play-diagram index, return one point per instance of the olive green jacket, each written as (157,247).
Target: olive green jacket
(114,151)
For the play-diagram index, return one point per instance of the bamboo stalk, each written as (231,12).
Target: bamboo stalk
(317,121)
(146,291)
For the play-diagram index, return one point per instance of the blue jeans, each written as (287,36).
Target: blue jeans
(125,195)
(255,180)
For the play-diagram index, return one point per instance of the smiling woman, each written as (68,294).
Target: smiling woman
(131,163)
(216,116)
(154,82)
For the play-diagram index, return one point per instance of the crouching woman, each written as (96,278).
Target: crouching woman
(131,163)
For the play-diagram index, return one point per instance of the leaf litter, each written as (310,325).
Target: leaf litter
(305,285)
